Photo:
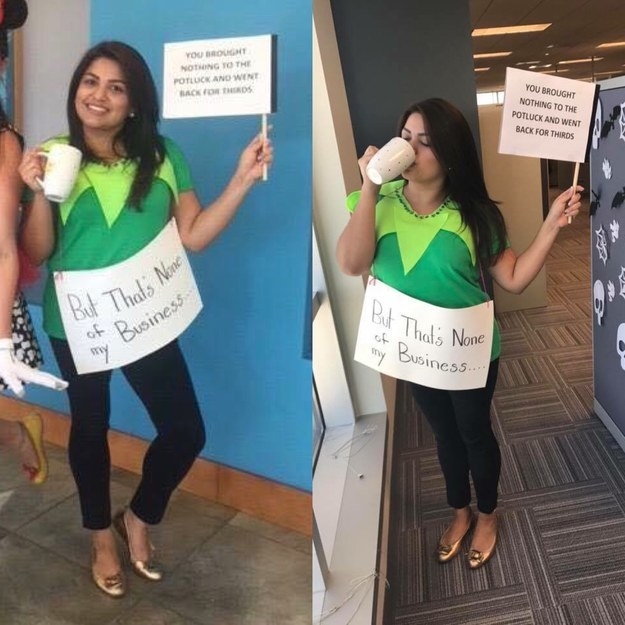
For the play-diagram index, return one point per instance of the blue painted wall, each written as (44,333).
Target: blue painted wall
(246,350)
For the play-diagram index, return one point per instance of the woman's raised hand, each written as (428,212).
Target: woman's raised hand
(256,156)
(363,161)
(565,207)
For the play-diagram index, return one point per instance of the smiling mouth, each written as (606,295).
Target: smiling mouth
(95,108)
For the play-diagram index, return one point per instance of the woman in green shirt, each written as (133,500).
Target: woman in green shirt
(429,235)
(131,182)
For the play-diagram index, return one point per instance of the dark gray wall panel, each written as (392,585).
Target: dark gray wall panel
(396,52)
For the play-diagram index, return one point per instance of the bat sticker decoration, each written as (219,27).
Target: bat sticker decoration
(618,199)
(596,203)
(608,125)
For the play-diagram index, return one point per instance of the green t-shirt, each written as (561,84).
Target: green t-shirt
(94,227)
(431,258)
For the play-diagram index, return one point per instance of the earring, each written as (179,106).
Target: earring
(133,114)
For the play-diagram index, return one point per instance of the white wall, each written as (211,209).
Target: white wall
(328,368)
(346,506)
(55,36)
(335,173)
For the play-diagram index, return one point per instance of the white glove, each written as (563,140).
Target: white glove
(14,372)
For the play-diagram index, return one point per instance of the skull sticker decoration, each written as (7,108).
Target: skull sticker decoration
(599,300)
(620,344)
(596,129)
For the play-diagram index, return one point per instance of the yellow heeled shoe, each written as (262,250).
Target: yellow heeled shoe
(33,428)
(144,568)
(476,558)
(446,551)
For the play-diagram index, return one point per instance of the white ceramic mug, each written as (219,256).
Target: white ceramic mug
(390,160)
(62,165)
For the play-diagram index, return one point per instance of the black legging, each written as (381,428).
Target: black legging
(465,441)
(162,382)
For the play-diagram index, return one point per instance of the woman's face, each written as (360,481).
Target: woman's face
(426,167)
(101,101)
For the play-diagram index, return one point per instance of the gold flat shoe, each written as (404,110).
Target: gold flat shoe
(113,585)
(144,568)
(446,551)
(480,558)
(476,558)
(32,428)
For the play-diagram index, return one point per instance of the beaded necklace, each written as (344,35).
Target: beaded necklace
(402,200)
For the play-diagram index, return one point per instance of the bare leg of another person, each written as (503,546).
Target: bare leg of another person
(13,436)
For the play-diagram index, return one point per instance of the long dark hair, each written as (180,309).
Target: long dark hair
(454,146)
(139,135)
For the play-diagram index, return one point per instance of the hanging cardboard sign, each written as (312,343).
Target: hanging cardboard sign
(410,340)
(116,315)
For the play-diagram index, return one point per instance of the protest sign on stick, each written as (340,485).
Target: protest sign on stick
(221,77)
(547,116)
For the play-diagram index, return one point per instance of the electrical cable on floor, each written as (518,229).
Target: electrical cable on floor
(350,468)
(366,582)
(345,452)
(348,444)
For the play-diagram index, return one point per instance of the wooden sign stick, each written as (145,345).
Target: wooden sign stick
(264,135)
(575,177)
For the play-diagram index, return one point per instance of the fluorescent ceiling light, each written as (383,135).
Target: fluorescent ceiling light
(490,55)
(615,72)
(612,44)
(481,69)
(509,30)
(527,63)
(596,58)
(554,71)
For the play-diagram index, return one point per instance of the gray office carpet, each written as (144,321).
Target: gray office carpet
(560,559)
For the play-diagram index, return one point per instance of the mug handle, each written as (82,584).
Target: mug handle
(39,180)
